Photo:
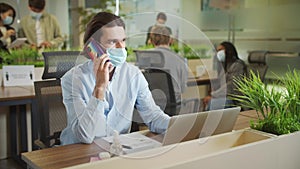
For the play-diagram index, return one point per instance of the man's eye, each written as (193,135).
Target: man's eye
(112,42)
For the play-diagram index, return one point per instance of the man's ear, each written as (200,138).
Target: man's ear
(170,41)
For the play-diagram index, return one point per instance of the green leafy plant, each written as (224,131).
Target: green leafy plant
(278,111)
(22,56)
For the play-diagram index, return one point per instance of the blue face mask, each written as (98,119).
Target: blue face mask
(36,15)
(8,20)
(221,55)
(117,55)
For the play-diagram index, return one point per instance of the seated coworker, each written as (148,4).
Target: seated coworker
(232,67)
(175,64)
(161,20)
(100,94)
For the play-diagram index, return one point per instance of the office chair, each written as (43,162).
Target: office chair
(149,58)
(257,63)
(161,86)
(57,63)
(52,118)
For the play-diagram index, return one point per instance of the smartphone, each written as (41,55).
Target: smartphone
(93,49)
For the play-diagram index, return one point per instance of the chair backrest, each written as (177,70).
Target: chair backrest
(257,63)
(149,58)
(161,86)
(51,110)
(57,63)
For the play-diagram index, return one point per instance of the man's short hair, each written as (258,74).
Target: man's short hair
(38,4)
(162,16)
(100,20)
(160,35)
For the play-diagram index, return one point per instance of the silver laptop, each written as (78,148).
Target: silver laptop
(197,125)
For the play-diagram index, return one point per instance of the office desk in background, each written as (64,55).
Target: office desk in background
(17,98)
(205,79)
(75,154)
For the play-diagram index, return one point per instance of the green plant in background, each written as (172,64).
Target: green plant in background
(193,52)
(22,56)
(185,51)
(278,111)
(130,52)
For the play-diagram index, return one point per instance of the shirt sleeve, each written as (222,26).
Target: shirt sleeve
(85,116)
(152,115)
(58,38)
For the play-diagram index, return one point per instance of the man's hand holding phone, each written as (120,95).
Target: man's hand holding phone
(102,67)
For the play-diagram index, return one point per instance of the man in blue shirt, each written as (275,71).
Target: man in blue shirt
(100,94)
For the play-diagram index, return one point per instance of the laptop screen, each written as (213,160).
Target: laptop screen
(197,125)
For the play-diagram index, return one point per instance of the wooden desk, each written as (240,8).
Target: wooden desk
(249,113)
(205,79)
(70,155)
(17,97)
(8,94)
(59,157)
(244,119)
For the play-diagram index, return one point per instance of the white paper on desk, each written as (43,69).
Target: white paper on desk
(136,141)
(17,43)
(20,75)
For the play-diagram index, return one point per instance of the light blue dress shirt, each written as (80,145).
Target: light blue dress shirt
(89,117)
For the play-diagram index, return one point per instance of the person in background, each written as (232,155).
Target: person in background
(40,28)
(7,33)
(100,94)
(233,67)
(161,39)
(161,19)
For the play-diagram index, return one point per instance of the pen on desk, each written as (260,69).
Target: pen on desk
(123,146)
(127,147)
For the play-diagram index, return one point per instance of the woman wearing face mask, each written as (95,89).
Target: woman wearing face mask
(231,67)
(7,33)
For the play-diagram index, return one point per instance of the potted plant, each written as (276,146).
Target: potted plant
(21,56)
(278,111)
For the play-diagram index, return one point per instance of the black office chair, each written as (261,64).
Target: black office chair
(52,118)
(149,58)
(257,63)
(49,102)
(57,63)
(161,85)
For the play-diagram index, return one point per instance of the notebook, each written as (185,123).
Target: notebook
(131,142)
(197,125)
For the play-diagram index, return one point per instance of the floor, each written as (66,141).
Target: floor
(9,164)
